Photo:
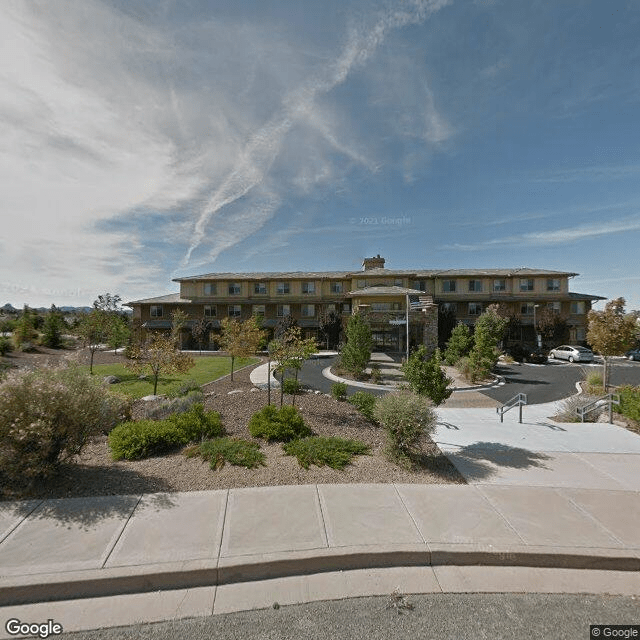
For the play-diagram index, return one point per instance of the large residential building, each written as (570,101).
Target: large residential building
(384,294)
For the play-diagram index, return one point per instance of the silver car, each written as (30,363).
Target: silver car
(571,353)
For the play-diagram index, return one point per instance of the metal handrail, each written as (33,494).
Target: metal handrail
(517,401)
(610,399)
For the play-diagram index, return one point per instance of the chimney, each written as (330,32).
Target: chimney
(373,263)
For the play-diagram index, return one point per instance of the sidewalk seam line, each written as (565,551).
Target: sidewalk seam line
(579,456)
(122,531)
(415,524)
(478,488)
(324,524)
(217,584)
(592,517)
(21,521)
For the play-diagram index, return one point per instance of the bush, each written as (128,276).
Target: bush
(376,374)
(339,390)
(46,417)
(332,452)
(278,424)
(185,388)
(155,411)
(291,387)
(235,451)
(459,344)
(196,423)
(135,440)
(426,377)
(629,402)
(593,383)
(406,418)
(363,402)
(5,346)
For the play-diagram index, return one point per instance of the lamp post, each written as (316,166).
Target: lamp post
(535,327)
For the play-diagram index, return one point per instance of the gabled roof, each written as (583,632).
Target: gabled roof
(585,296)
(172,298)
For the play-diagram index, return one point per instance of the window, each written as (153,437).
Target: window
(398,282)
(581,334)
(282,288)
(331,308)
(554,307)
(260,288)
(577,308)
(155,311)
(210,289)
(210,311)
(419,284)
(346,307)
(258,310)
(235,310)
(449,307)
(526,284)
(308,287)
(385,306)
(234,289)
(475,285)
(284,310)
(526,308)
(448,286)
(336,287)
(475,308)
(499,285)
(553,284)
(308,310)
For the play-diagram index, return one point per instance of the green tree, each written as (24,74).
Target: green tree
(94,329)
(459,344)
(330,325)
(295,350)
(24,332)
(240,339)
(52,328)
(426,376)
(356,353)
(118,332)
(200,331)
(489,330)
(159,355)
(611,332)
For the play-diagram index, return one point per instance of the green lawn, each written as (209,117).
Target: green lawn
(206,369)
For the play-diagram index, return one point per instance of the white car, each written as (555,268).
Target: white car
(571,353)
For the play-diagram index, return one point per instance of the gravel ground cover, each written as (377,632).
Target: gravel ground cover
(95,473)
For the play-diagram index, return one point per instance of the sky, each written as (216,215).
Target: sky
(145,140)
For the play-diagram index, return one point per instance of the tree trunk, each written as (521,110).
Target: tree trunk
(155,382)
(232,358)
(92,351)
(605,374)
(281,388)
(268,381)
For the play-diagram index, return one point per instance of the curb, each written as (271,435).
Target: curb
(74,585)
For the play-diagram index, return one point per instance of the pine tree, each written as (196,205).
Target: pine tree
(357,352)
(426,376)
(459,344)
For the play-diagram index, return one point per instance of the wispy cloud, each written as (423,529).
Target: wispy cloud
(605,172)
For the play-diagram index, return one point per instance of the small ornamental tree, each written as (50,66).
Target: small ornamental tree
(357,352)
(178,320)
(200,331)
(459,344)
(93,329)
(159,355)
(118,332)
(426,377)
(330,325)
(611,332)
(24,331)
(553,327)
(291,352)
(240,339)
(489,330)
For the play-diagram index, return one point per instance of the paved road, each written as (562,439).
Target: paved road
(434,617)
(541,383)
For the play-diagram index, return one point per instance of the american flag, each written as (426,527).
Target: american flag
(414,303)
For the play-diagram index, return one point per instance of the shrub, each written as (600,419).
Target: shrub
(134,440)
(406,418)
(363,402)
(568,408)
(160,411)
(46,417)
(333,452)
(426,377)
(629,402)
(593,383)
(185,388)
(459,344)
(278,424)
(356,353)
(5,346)
(196,423)
(339,390)
(376,374)
(235,451)
(291,387)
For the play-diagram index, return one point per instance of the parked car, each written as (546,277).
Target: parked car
(571,353)
(634,354)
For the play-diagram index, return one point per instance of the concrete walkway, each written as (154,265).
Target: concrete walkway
(549,507)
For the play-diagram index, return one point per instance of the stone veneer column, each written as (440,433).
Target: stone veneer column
(430,330)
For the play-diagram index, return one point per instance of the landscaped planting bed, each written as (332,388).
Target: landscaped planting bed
(96,473)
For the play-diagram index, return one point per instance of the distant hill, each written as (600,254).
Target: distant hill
(7,308)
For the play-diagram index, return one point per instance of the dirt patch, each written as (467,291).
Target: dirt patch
(95,473)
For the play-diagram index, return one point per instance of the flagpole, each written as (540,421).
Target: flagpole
(407,327)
